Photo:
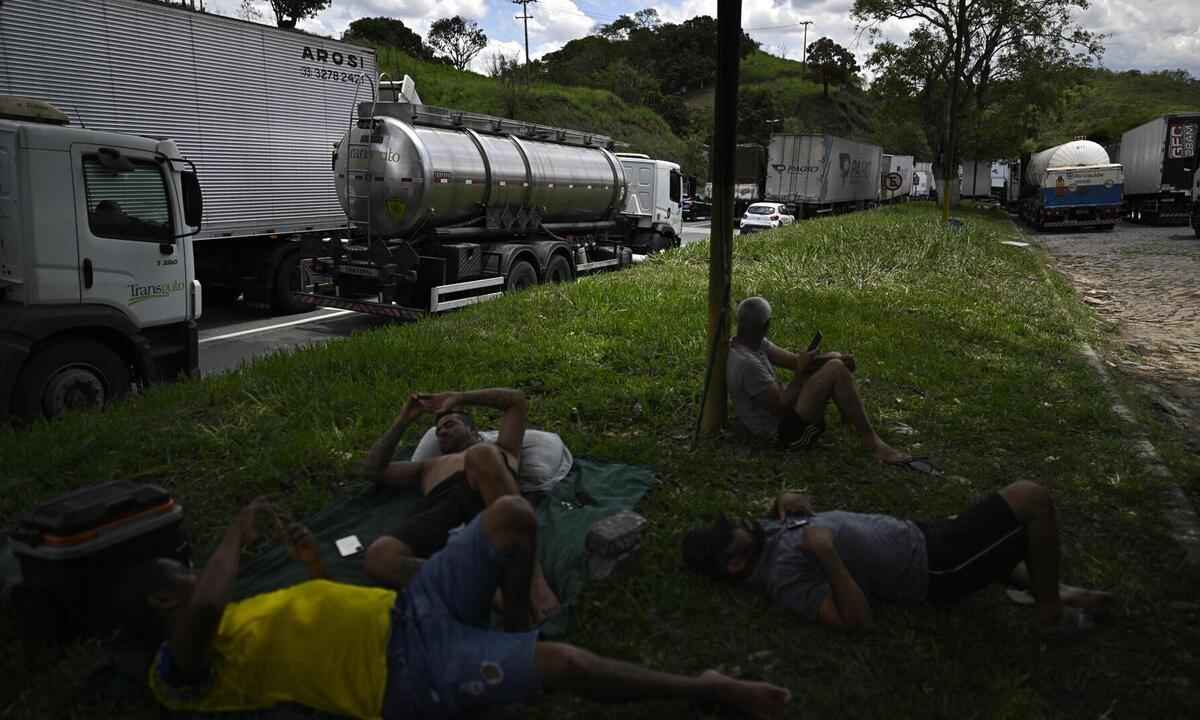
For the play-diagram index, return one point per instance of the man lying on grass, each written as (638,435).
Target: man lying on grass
(831,566)
(468,476)
(424,652)
(793,415)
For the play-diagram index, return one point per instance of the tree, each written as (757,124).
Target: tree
(831,63)
(289,12)
(459,40)
(963,48)
(389,32)
(759,111)
(647,19)
(618,29)
(248,12)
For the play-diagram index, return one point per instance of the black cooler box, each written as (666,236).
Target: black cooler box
(74,550)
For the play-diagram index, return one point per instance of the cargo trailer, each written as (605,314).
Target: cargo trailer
(257,109)
(897,182)
(976,179)
(1160,159)
(817,174)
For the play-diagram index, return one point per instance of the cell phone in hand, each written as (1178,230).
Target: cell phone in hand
(816,342)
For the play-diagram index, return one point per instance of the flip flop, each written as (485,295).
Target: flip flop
(920,465)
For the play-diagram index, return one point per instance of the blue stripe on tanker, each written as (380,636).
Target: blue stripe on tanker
(1082,196)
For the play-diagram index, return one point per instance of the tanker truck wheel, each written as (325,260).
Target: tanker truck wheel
(521,275)
(559,270)
(69,375)
(291,275)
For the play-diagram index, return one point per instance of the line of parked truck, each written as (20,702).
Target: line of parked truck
(153,157)
(1149,176)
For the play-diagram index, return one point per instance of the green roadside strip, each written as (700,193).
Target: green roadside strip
(967,341)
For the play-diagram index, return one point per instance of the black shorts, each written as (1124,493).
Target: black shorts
(978,548)
(450,503)
(796,433)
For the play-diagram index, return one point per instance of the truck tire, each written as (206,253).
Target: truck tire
(69,375)
(559,270)
(521,275)
(291,275)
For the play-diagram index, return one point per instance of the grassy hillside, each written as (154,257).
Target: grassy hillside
(577,108)
(845,112)
(1107,104)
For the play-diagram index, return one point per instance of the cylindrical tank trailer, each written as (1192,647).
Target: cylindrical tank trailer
(1077,153)
(406,178)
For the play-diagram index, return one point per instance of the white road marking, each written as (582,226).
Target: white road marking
(290,323)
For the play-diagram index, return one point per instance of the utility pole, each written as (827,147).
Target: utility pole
(804,61)
(526,17)
(729,33)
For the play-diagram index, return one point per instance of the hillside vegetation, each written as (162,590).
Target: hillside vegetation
(1105,104)
(578,108)
(797,101)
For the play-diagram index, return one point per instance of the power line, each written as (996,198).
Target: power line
(526,17)
(779,27)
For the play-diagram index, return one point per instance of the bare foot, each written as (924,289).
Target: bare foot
(761,700)
(545,602)
(889,455)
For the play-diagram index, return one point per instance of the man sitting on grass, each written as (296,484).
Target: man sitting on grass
(469,475)
(831,566)
(425,652)
(793,415)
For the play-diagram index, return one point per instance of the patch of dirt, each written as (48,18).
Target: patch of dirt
(1146,281)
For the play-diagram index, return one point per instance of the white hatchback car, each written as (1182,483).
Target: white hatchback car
(764,216)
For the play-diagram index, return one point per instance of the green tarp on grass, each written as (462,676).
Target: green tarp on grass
(590,492)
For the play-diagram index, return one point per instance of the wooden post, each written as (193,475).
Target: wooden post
(729,36)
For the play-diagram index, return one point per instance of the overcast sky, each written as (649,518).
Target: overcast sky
(1144,34)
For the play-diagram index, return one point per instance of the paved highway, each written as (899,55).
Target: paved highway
(233,334)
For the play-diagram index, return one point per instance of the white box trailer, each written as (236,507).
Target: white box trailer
(1160,159)
(255,107)
(897,180)
(928,185)
(976,179)
(822,173)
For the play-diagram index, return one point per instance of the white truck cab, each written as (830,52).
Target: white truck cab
(97,283)
(653,200)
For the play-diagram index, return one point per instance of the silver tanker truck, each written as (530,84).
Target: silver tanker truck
(450,208)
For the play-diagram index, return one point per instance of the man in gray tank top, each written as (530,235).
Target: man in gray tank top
(831,566)
(793,415)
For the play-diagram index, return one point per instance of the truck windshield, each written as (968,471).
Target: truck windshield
(129,205)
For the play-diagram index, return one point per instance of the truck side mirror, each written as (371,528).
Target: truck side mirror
(193,200)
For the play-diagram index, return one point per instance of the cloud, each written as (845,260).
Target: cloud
(482,63)
(1143,34)
(416,14)
(1148,34)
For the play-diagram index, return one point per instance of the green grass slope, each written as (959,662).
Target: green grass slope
(970,343)
(575,108)
(1106,104)
(846,112)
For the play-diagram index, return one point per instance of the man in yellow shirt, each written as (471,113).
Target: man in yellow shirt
(423,652)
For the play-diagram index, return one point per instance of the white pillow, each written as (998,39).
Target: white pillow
(545,459)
